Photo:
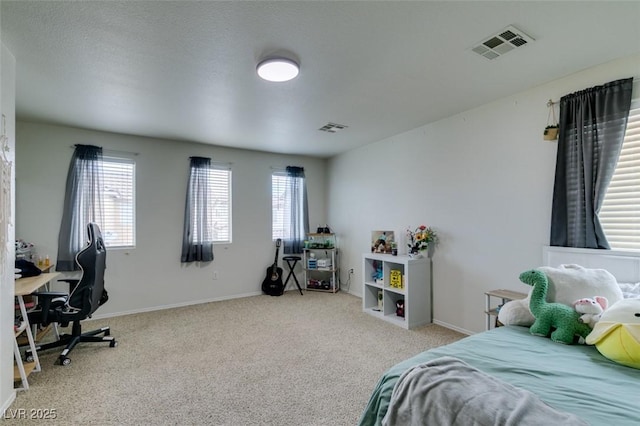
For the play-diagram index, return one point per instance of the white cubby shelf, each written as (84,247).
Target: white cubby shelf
(415,289)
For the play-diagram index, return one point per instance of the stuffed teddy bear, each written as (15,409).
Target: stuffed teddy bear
(591,309)
(563,318)
(567,283)
(617,334)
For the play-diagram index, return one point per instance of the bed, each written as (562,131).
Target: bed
(572,379)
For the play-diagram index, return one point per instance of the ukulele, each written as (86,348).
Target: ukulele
(272,283)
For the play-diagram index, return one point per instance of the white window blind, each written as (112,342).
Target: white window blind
(281,206)
(278,203)
(620,212)
(118,228)
(219,208)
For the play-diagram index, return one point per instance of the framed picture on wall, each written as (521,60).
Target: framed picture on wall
(381,241)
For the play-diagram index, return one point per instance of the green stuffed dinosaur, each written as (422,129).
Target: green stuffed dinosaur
(551,315)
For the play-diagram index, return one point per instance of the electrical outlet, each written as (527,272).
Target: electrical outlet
(351,271)
(215,275)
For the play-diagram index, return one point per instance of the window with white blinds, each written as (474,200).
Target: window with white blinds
(281,206)
(620,212)
(218,207)
(118,227)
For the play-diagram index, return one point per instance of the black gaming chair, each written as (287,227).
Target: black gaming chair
(84,297)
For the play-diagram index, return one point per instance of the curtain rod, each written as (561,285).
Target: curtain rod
(113,151)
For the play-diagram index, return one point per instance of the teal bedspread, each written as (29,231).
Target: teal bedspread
(575,378)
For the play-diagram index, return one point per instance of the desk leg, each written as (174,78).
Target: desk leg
(23,373)
(27,329)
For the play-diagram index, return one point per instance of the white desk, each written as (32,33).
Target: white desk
(24,287)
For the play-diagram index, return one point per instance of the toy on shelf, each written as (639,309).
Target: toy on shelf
(395,279)
(377,273)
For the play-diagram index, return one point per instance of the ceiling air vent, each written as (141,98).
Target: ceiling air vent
(332,127)
(502,42)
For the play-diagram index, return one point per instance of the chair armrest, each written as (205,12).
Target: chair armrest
(47,301)
(50,294)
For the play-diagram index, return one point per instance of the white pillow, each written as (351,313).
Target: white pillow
(567,283)
(630,290)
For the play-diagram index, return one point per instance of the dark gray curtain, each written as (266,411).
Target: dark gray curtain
(298,210)
(592,127)
(197,243)
(83,203)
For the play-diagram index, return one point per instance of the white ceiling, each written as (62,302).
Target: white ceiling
(186,70)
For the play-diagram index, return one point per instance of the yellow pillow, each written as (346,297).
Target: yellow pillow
(617,334)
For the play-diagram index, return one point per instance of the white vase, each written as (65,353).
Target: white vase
(417,255)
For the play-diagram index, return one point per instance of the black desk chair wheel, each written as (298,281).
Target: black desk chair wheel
(291,263)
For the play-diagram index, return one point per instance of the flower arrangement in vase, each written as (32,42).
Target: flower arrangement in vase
(420,240)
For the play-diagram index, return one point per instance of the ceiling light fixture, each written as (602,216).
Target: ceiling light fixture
(278,69)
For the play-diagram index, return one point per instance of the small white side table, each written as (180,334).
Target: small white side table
(505,296)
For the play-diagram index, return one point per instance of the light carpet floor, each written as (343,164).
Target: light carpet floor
(290,360)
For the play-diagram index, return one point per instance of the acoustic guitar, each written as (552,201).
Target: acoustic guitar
(272,283)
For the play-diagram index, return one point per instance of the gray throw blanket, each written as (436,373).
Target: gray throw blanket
(447,391)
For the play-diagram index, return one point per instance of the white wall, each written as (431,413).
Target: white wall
(483,179)
(7,286)
(151,276)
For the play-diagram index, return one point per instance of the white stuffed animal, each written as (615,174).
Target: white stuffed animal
(591,309)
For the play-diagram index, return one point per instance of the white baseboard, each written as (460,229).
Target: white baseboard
(175,305)
(353,293)
(453,327)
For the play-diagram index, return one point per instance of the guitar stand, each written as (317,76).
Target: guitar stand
(291,262)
